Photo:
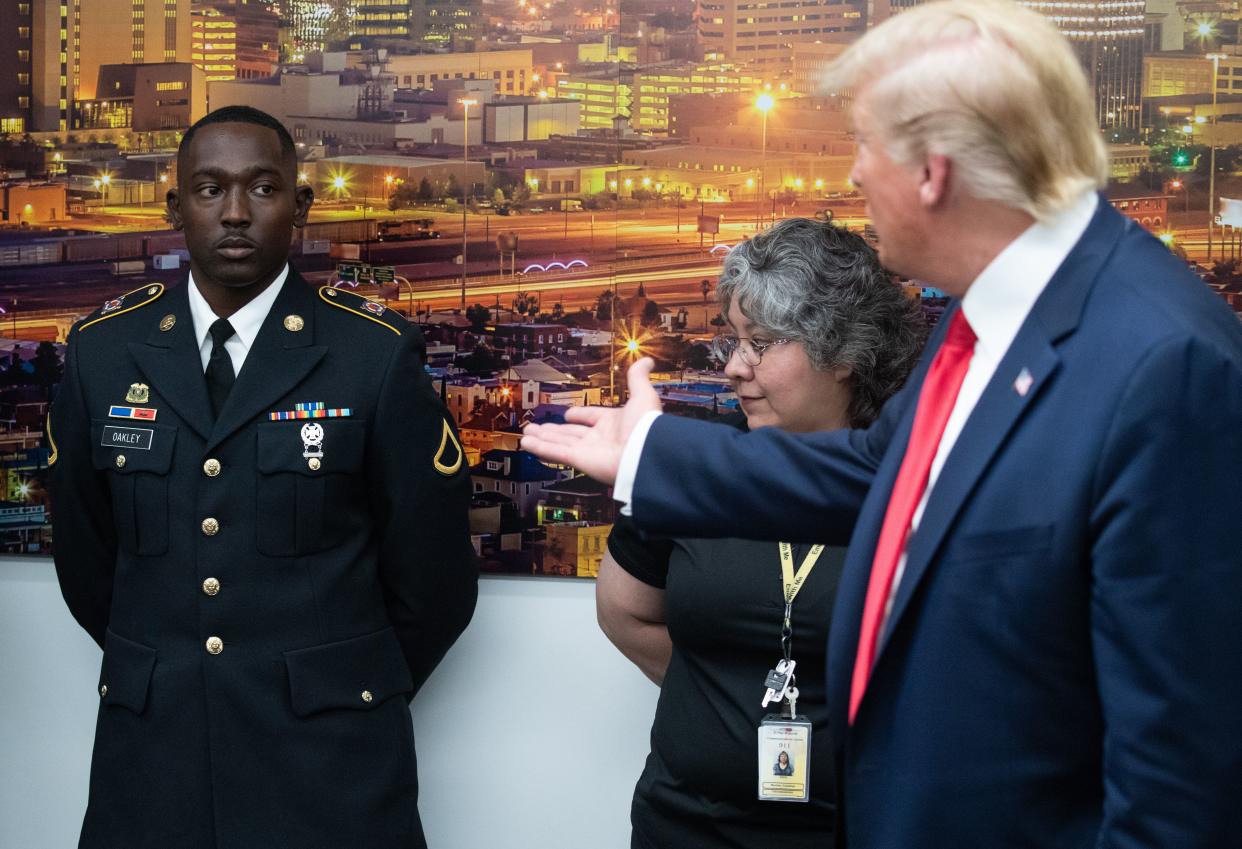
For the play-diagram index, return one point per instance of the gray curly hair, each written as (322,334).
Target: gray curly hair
(823,287)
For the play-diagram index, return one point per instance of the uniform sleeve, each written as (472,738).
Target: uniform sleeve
(645,559)
(1166,577)
(422,500)
(84,545)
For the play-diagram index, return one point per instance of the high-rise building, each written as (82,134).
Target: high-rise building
(310,25)
(382,18)
(115,32)
(448,23)
(56,48)
(653,87)
(318,24)
(764,31)
(16,90)
(235,40)
(1107,36)
(604,97)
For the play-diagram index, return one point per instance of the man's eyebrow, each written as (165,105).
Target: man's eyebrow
(223,173)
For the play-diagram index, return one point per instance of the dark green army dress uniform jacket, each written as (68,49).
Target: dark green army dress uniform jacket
(270,587)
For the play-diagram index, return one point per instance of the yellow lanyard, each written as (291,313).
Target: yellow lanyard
(793,583)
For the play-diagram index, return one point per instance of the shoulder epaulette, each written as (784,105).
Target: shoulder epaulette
(360,306)
(130,301)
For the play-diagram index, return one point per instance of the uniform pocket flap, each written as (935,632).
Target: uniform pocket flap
(125,676)
(357,674)
(324,447)
(128,447)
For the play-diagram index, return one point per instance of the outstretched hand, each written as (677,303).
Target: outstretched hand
(593,438)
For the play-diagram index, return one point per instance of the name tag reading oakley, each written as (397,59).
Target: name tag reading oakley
(127,437)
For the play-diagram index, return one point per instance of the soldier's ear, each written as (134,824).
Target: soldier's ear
(172,209)
(303,199)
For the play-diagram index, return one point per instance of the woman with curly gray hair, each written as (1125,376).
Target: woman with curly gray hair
(821,287)
(820,336)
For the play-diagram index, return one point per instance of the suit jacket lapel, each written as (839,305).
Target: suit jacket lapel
(1055,315)
(852,591)
(279,359)
(173,367)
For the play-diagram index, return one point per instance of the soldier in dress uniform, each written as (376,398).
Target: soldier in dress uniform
(261,517)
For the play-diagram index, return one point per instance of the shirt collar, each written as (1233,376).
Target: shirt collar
(246,321)
(1001,297)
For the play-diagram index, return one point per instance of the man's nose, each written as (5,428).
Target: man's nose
(236,211)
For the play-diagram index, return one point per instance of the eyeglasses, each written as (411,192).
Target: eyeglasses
(749,350)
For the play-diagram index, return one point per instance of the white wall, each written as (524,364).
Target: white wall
(531,675)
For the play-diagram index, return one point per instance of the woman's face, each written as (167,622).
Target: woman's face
(783,760)
(785,390)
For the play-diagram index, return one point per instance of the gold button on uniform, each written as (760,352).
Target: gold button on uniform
(103,690)
(211,586)
(167,323)
(314,464)
(294,323)
(215,645)
(367,697)
(120,461)
(210,527)
(211,468)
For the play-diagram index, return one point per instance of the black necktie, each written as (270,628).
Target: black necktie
(220,375)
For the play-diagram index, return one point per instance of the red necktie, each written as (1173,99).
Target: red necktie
(936,400)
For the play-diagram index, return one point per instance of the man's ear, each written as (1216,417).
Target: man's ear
(934,185)
(304,198)
(172,209)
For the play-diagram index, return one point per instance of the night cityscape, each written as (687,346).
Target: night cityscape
(547,188)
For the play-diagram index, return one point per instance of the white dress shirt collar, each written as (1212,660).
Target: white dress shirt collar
(246,321)
(1002,296)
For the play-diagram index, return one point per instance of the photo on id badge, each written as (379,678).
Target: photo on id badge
(784,754)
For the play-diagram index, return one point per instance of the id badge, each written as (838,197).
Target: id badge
(784,759)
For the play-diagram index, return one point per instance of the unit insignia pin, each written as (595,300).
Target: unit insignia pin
(111,306)
(167,322)
(139,393)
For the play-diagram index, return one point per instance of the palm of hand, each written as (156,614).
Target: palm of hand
(593,439)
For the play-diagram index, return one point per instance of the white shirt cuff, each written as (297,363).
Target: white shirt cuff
(627,471)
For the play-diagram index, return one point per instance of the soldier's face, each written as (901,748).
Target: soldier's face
(237,200)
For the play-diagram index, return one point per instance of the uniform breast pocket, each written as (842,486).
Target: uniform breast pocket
(310,485)
(137,458)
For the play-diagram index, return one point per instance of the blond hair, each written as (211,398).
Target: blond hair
(989,84)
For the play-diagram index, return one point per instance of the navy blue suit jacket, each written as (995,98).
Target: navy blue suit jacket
(1062,666)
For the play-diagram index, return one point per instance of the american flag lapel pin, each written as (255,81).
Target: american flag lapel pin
(1023,384)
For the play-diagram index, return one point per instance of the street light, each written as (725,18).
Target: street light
(466,103)
(105,180)
(764,104)
(1178,184)
(1215,57)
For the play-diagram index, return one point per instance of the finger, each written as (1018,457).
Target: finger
(565,434)
(549,451)
(638,379)
(585,415)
